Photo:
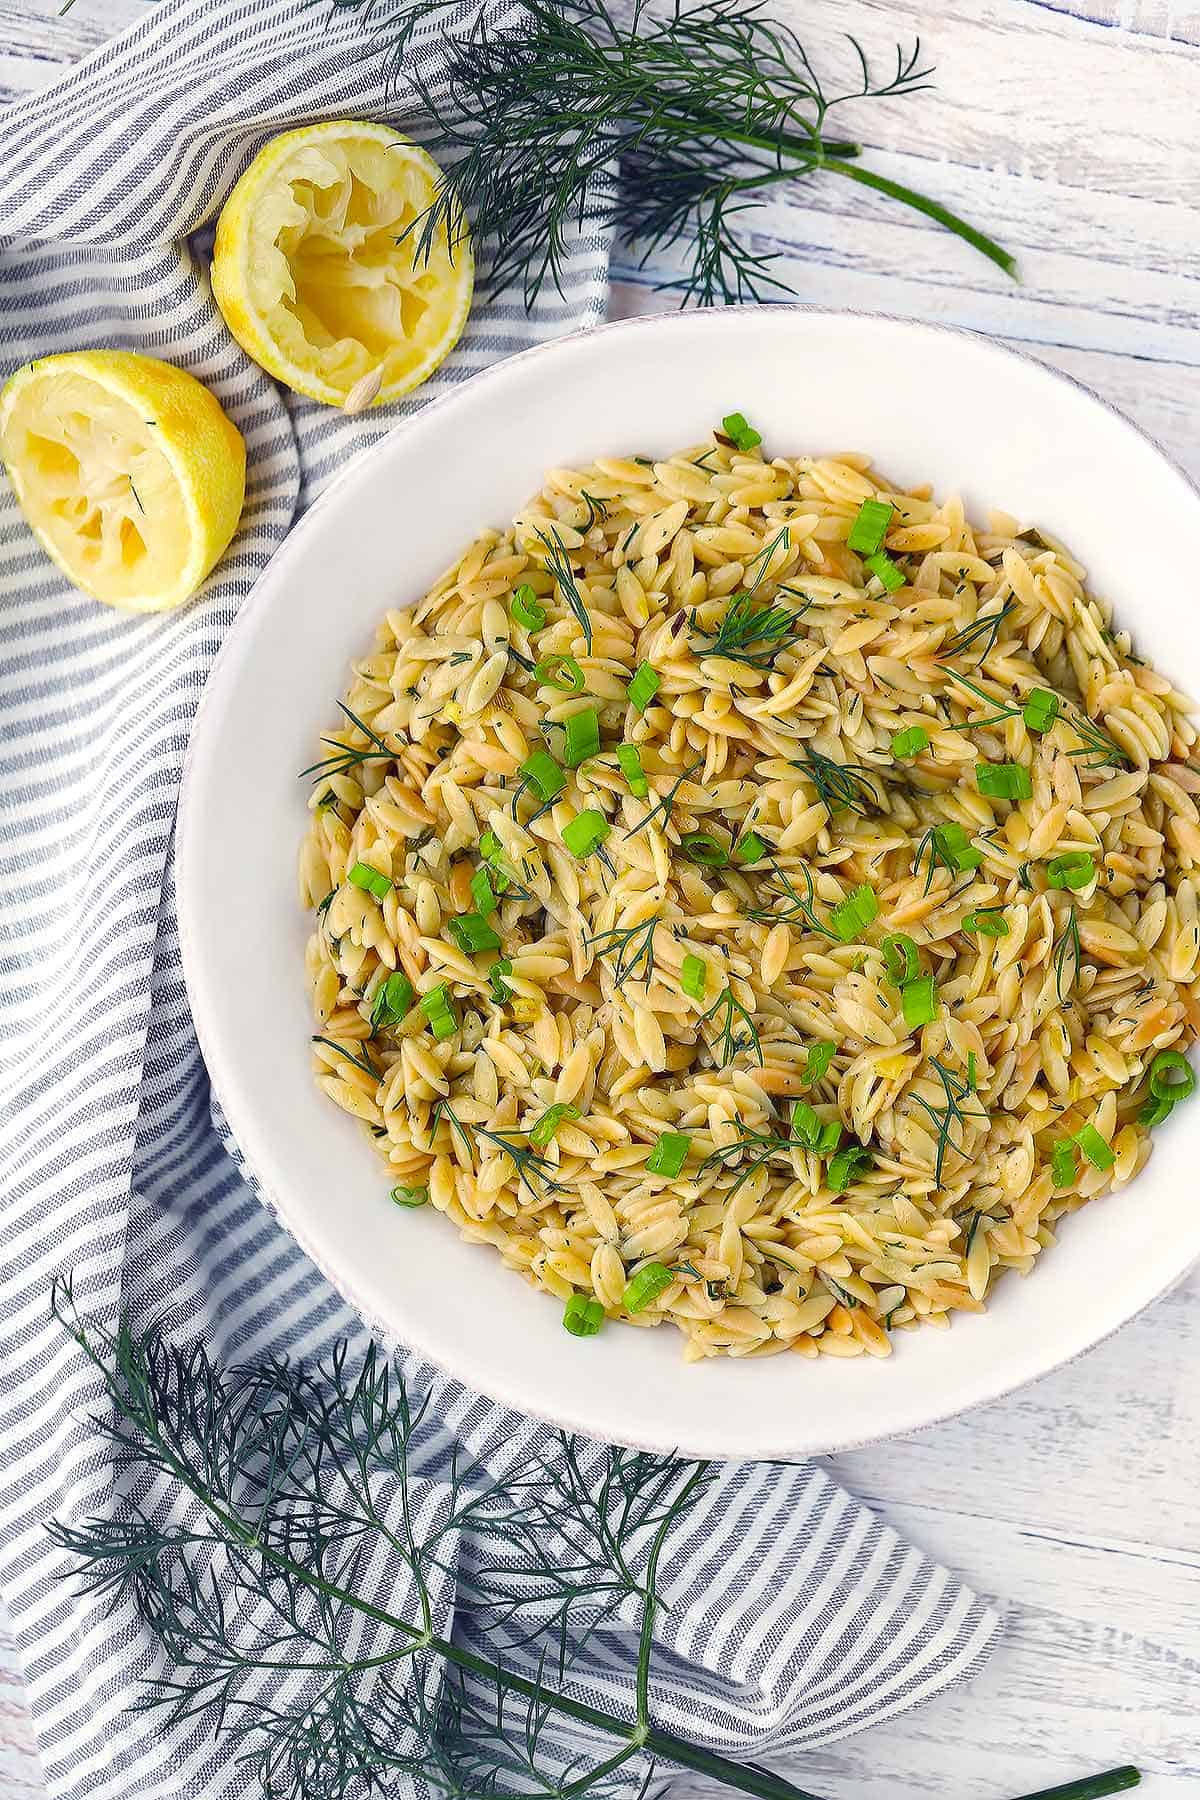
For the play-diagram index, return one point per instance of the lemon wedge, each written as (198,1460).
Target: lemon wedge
(128,471)
(315,277)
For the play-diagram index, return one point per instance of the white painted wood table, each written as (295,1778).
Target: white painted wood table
(1070,129)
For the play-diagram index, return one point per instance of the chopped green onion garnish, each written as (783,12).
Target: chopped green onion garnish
(439,1010)
(900,955)
(645,1285)
(630,759)
(472,933)
(988,921)
(702,847)
(490,846)
(1171,1076)
(411,1196)
(363,875)
(744,436)
(643,687)
(392,1001)
(526,609)
(1095,1148)
(955,847)
(669,1154)
(1064,1163)
(909,742)
(482,894)
(830,1137)
(890,573)
(870,527)
(693,976)
(806,1126)
(749,849)
(919,1002)
(585,832)
(1004,781)
(562,673)
(582,737)
(582,1316)
(1075,869)
(970,1071)
(500,988)
(820,1055)
(1040,710)
(851,915)
(1155,1111)
(541,770)
(846,1167)
(543,1131)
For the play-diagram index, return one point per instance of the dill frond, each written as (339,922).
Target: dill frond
(344,757)
(737,1029)
(843,787)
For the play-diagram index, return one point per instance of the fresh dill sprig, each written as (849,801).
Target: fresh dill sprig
(296,1481)
(956,1089)
(665,804)
(732,1039)
(795,906)
(980,694)
(559,565)
(757,1146)
(1068,954)
(597,509)
(931,846)
(633,945)
(843,787)
(983,630)
(362,1062)
(534,1171)
(1094,740)
(670,125)
(752,634)
(344,758)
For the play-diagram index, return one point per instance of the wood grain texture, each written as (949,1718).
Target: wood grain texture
(1070,129)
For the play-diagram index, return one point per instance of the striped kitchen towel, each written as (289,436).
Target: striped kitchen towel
(796,1616)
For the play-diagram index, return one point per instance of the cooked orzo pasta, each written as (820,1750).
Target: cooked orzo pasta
(752,896)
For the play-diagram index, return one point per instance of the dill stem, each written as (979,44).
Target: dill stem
(1091,1787)
(979,240)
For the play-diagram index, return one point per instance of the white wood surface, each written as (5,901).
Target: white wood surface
(1069,129)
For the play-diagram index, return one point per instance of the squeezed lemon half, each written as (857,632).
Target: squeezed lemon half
(128,471)
(314,274)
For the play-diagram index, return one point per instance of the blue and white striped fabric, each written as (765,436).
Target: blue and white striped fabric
(796,1616)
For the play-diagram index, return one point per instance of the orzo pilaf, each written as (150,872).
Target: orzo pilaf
(750,895)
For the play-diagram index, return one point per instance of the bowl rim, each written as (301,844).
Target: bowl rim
(189,847)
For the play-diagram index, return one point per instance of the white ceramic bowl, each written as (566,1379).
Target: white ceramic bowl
(930,405)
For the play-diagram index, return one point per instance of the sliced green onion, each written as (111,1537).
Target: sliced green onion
(562,673)
(526,608)
(1004,781)
(909,742)
(585,832)
(702,847)
(543,1131)
(541,770)
(744,436)
(471,933)
(970,1071)
(1040,709)
(1064,1163)
(630,759)
(830,1137)
(439,1011)
(1171,1077)
(955,847)
(988,921)
(500,988)
(890,573)
(806,1126)
(1073,870)
(1155,1111)
(820,1055)
(582,1315)
(1095,1148)
(392,1001)
(645,1285)
(642,689)
(582,736)
(900,955)
(490,846)
(846,1167)
(870,527)
(693,976)
(365,875)
(919,1002)
(410,1196)
(850,916)
(669,1153)
(749,849)
(482,893)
